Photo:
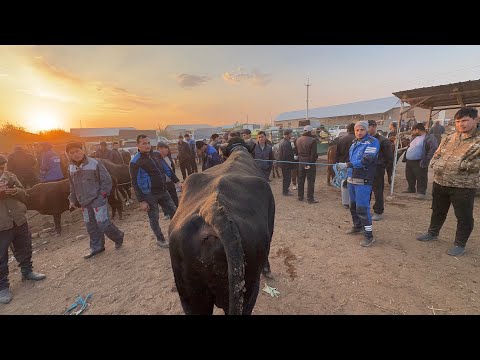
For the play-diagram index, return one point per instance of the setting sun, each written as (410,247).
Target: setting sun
(43,120)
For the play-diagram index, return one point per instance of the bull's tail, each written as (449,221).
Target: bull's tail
(229,236)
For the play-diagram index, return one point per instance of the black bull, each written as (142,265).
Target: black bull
(122,174)
(52,199)
(220,236)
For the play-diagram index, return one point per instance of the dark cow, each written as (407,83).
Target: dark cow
(52,199)
(64,162)
(220,236)
(122,174)
(331,156)
(126,157)
(114,199)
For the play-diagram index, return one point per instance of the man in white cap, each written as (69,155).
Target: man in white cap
(361,173)
(307,152)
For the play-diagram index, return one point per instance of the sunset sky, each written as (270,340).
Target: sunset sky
(44,87)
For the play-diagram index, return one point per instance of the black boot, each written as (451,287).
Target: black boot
(367,240)
(5,296)
(32,275)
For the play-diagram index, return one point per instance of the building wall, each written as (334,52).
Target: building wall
(381,118)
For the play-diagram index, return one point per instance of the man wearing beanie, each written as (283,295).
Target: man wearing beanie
(90,184)
(361,173)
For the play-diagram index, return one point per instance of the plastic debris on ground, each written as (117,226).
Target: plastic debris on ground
(79,303)
(273,292)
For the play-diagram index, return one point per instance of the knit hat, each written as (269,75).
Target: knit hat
(362,123)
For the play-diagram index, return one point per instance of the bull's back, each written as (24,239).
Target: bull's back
(49,198)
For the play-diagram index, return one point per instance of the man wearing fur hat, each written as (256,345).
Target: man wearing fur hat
(360,176)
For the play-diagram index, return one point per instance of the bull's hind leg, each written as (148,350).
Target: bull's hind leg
(121,190)
(197,304)
(129,195)
(195,298)
(252,299)
(57,219)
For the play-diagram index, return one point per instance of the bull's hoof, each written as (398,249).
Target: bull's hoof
(267,274)
(163,244)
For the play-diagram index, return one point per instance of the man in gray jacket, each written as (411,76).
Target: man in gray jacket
(90,184)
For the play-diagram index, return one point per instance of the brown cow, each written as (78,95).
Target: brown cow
(52,199)
(331,155)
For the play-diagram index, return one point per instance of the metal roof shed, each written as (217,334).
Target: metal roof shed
(442,97)
(438,98)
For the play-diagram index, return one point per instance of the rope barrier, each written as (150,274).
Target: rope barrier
(33,216)
(295,162)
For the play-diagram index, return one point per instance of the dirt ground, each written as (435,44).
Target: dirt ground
(317,268)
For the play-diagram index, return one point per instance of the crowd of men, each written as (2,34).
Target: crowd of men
(363,154)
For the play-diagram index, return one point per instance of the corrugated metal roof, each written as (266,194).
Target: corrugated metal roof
(186,126)
(132,134)
(457,94)
(95,132)
(374,106)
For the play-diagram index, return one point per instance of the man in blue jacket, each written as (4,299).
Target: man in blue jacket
(361,173)
(50,167)
(212,157)
(149,182)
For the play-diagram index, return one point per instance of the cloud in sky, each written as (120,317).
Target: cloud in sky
(50,95)
(190,80)
(45,67)
(101,91)
(255,77)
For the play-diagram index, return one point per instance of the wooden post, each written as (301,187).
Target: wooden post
(429,122)
(397,140)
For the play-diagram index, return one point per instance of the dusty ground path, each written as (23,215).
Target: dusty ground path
(317,268)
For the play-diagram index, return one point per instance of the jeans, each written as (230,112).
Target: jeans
(165,200)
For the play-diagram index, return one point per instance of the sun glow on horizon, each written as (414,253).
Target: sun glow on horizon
(42,120)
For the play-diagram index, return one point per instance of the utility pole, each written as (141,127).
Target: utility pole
(307,85)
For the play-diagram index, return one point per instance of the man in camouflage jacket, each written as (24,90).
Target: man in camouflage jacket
(456,166)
